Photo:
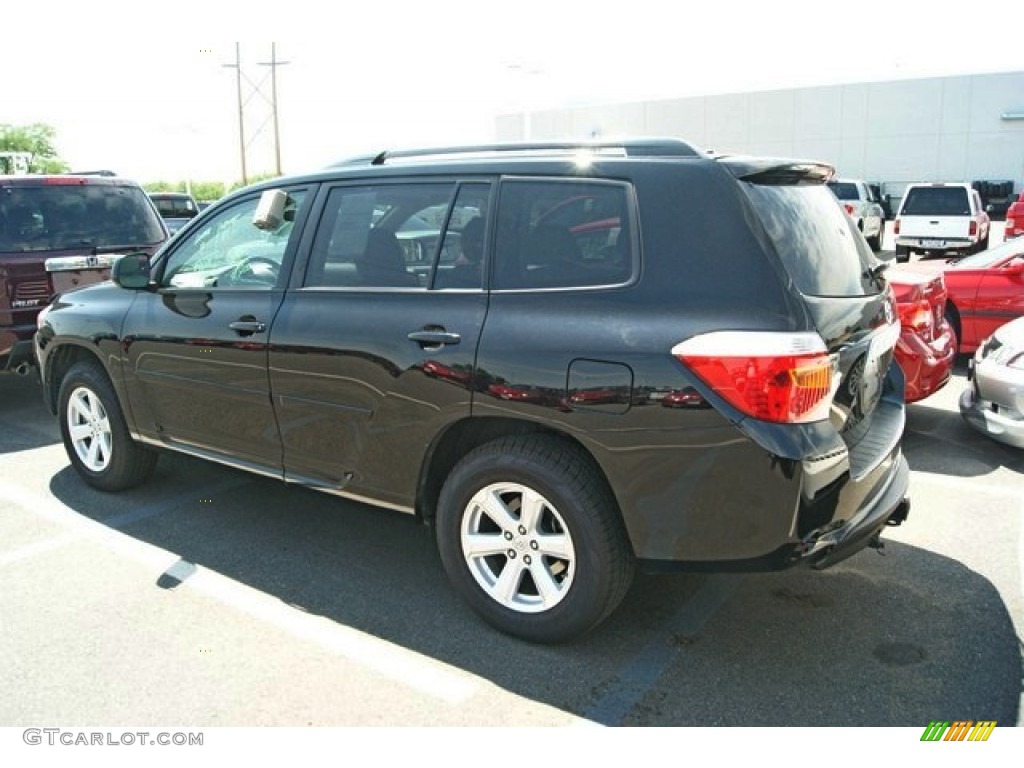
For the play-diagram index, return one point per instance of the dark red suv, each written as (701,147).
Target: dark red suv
(58,233)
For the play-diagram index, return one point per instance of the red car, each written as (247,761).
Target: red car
(1014,226)
(926,348)
(984,291)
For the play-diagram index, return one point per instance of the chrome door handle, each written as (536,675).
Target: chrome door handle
(438,338)
(248,326)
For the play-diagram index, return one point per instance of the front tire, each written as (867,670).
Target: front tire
(531,538)
(95,433)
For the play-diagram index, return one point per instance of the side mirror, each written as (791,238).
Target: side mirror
(131,271)
(1015,267)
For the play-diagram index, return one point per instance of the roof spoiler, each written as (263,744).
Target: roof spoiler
(777,171)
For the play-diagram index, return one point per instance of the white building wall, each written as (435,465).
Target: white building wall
(936,129)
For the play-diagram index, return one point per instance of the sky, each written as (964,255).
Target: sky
(148,90)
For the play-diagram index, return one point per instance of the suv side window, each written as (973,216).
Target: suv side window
(380,236)
(229,251)
(563,234)
(461,260)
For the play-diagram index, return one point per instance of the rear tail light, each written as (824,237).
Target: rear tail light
(973,229)
(849,208)
(781,377)
(919,316)
(896,227)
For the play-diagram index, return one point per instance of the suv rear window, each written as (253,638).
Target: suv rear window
(937,201)
(816,240)
(54,217)
(843,190)
(175,206)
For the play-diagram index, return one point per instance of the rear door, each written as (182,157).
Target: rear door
(374,348)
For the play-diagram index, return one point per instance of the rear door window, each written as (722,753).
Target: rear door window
(401,235)
(816,240)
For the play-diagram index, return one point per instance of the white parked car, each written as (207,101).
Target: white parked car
(994,403)
(940,219)
(859,201)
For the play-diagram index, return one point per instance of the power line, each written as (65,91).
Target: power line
(256,89)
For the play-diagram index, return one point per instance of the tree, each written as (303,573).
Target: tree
(200,190)
(37,139)
(252,180)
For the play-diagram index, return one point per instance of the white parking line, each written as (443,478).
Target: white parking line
(956,483)
(38,548)
(399,664)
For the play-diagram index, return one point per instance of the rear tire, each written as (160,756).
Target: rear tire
(95,433)
(902,253)
(531,538)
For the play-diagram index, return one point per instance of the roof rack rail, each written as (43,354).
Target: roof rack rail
(648,147)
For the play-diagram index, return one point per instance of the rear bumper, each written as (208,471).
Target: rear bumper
(890,507)
(943,244)
(16,347)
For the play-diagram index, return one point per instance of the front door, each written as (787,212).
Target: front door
(196,363)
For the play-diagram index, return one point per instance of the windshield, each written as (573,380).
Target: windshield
(820,246)
(65,216)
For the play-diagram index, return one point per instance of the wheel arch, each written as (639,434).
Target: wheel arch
(464,436)
(953,317)
(59,361)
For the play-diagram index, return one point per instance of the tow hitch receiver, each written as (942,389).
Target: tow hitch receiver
(901,513)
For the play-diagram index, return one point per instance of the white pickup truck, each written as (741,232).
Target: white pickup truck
(940,219)
(863,207)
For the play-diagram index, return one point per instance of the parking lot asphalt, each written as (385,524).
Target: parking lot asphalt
(212,597)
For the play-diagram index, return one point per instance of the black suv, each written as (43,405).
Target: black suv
(567,358)
(58,233)
(176,208)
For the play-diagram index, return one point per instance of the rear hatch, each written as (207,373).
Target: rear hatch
(58,233)
(935,214)
(845,294)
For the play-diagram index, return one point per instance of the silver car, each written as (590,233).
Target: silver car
(994,403)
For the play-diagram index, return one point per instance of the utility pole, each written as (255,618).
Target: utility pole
(237,66)
(274,64)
